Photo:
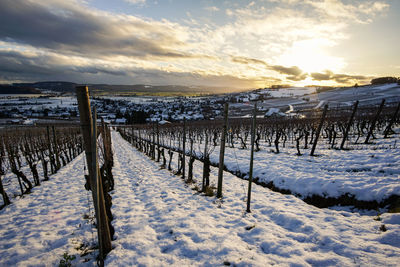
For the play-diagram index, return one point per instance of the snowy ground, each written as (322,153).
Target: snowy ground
(367,172)
(159,221)
(37,229)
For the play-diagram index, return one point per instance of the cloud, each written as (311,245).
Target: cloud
(212,8)
(136,2)
(340,78)
(322,76)
(37,66)
(293,73)
(246,60)
(294,70)
(359,12)
(229,12)
(52,38)
(44,66)
(62,26)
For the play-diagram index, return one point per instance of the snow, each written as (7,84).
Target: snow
(37,229)
(320,104)
(162,122)
(367,174)
(29,122)
(291,109)
(290,92)
(274,111)
(159,220)
(120,121)
(386,86)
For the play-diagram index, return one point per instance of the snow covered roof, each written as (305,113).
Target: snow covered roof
(122,120)
(164,122)
(274,111)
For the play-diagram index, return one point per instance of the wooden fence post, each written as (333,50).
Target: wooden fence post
(134,136)
(158,142)
(184,148)
(346,133)
(253,133)
(318,130)
(56,149)
(89,133)
(205,165)
(50,151)
(222,152)
(371,129)
(153,146)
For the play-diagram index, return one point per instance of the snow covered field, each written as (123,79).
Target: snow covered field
(159,221)
(367,172)
(35,102)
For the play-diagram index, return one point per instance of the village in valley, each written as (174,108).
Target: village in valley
(61,107)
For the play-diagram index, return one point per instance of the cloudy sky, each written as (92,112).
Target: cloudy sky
(243,44)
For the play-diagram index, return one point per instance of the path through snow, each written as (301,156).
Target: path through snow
(160,221)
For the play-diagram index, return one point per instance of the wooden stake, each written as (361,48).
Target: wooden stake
(56,149)
(158,142)
(89,133)
(319,130)
(184,148)
(50,151)
(222,152)
(203,187)
(253,133)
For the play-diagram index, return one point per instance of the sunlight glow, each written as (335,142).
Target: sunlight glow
(311,56)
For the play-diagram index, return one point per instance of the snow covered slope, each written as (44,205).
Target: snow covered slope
(160,221)
(39,228)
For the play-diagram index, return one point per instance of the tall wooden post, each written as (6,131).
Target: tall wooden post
(90,145)
(203,187)
(253,133)
(184,148)
(371,129)
(222,152)
(319,130)
(158,142)
(56,149)
(153,149)
(50,151)
(346,133)
(133,140)
(105,141)
(140,141)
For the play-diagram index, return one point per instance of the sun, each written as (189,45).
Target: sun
(312,56)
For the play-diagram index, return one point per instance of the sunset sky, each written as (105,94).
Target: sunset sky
(242,44)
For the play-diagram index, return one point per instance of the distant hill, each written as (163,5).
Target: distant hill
(54,86)
(12,89)
(69,87)
(142,88)
(383,80)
